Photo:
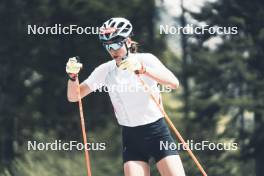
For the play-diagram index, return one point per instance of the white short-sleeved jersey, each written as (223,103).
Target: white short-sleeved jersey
(132,104)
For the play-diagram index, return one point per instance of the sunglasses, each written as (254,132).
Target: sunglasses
(114,46)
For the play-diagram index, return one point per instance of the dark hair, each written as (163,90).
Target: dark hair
(134,47)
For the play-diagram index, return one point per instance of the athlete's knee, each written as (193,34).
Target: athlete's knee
(171,166)
(136,168)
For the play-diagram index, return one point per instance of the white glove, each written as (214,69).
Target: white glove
(133,65)
(73,67)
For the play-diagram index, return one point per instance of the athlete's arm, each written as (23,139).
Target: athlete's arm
(152,67)
(163,76)
(72,93)
(73,67)
(93,82)
(155,69)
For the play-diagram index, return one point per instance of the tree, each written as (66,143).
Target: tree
(227,78)
(33,81)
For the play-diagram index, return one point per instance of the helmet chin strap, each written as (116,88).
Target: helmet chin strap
(127,52)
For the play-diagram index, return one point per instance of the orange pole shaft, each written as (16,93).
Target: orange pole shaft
(174,129)
(87,158)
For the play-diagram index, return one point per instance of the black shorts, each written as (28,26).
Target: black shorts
(144,142)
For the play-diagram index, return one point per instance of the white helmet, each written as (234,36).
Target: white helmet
(115,28)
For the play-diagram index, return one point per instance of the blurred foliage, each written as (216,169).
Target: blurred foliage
(33,102)
(226,85)
(48,163)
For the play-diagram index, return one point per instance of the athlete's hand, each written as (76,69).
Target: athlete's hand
(73,67)
(133,65)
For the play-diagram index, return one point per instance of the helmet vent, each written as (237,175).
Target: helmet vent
(114,28)
(120,25)
(110,20)
(125,30)
(113,24)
